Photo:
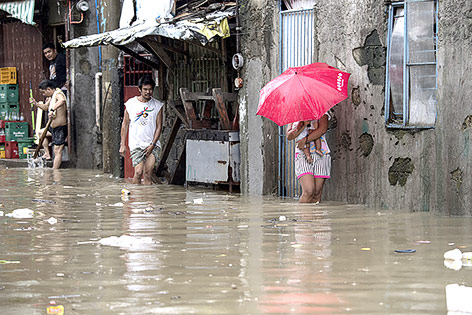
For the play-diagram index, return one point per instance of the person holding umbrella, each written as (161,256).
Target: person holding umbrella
(311,174)
(303,94)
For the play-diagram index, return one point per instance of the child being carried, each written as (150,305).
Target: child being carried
(310,125)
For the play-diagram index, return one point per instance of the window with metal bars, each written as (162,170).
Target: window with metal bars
(411,78)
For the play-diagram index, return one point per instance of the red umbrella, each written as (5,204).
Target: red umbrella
(303,93)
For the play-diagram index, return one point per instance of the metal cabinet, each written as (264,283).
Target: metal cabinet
(212,157)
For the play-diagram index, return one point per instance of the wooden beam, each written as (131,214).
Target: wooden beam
(170,48)
(188,104)
(176,106)
(153,47)
(131,52)
(221,108)
(217,51)
(168,145)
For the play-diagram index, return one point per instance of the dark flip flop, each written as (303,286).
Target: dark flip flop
(405,251)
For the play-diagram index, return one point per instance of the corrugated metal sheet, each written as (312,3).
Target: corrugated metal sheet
(22,10)
(22,48)
(296,50)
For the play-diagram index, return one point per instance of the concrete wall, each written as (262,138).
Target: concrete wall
(85,137)
(96,147)
(259,141)
(427,170)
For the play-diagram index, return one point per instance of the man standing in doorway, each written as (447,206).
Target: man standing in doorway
(57,66)
(143,120)
(56,107)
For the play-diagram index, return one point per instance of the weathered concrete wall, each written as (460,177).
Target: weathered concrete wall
(111,91)
(428,170)
(259,142)
(453,155)
(96,147)
(85,138)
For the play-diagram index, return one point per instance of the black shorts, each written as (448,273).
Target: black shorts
(59,135)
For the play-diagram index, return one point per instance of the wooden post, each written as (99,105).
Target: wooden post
(168,145)
(221,108)
(188,105)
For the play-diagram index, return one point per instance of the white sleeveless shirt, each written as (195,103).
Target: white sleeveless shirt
(142,123)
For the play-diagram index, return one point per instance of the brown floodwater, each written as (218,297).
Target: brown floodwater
(199,251)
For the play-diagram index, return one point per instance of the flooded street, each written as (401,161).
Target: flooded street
(200,251)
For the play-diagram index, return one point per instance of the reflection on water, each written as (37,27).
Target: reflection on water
(226,255)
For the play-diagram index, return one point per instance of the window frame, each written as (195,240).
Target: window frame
(407,65)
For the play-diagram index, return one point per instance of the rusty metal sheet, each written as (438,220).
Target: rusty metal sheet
(22,48)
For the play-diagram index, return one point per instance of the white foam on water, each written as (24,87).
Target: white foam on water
(35,163)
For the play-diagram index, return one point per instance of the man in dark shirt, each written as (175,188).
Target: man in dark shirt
(57,66)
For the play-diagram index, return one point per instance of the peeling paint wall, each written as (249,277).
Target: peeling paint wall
(428,170)
(259,137)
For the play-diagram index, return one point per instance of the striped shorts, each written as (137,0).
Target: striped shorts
(320,168)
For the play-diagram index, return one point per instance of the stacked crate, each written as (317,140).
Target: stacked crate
(9,110)
(9,96)
(12,133)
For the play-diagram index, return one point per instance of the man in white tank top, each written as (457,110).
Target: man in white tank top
(143,119)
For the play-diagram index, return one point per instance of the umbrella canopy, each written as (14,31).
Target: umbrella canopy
(303,93)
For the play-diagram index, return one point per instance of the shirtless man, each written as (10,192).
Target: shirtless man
(55,105)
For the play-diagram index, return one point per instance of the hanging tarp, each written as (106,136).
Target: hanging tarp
(202,29)
(211,30)
(21,10)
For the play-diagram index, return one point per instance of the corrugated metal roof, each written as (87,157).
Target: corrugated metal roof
(21,10)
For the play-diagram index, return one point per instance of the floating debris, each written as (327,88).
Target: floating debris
(458,298)
(24,213)
(52,220)
(405,251)
(198,201)
(43,201)
(64,296)
(55,309)
(454,254)
(126,241)
(5,262)
(423,242)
